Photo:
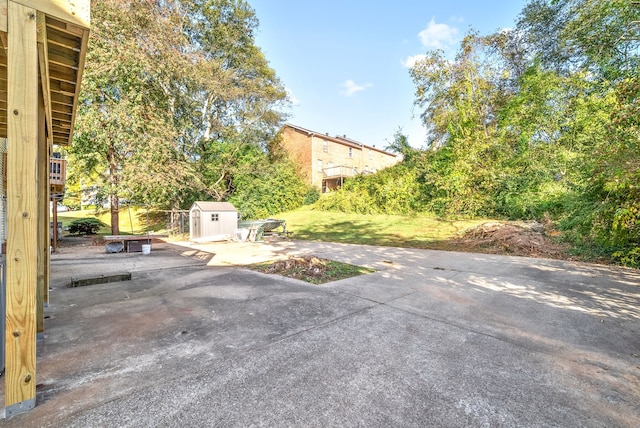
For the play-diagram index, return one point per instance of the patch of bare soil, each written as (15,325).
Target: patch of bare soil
(309,266)
(528,239)
(312,269)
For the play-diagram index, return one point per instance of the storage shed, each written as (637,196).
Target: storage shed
(213,221)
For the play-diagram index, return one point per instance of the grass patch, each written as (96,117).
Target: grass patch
(131,221)
(311,269)
(413,231)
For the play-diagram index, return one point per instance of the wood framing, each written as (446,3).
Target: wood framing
(43,62)
(43,214)
(72,11)
(62,47)
(20,382)
(3,18)
(42,48)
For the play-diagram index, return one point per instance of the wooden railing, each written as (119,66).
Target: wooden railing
(339,171)
(57,171)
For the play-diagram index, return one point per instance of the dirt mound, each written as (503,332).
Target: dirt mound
(528,239)
(309,263)
(313,269)
(299,267)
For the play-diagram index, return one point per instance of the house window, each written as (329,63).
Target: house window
(325,146)
(215,217)
(320,165)
(350,152)
(370,154)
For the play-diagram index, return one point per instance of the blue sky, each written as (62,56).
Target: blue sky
(344,62)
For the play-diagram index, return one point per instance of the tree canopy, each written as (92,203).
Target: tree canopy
(541,120)
(174,91)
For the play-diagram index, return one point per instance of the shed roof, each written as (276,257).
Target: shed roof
(214,206)
(63,34)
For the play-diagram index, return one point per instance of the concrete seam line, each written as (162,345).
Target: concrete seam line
(315,327)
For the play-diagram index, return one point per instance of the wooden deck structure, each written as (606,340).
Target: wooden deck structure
(43,46)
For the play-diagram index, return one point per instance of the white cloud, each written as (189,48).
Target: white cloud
(411,60)
(437,35)
(292,98)
(416,134)
(351,87)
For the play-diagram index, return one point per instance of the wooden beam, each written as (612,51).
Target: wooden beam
(65,27)
(22,215)
(63,88)
(61,99)
(63,40)
(43,212)
(3,17)
(82,57)
(72,11)
(43,60)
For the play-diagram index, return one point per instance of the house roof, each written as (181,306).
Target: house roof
(338,139)
(62,36)
(214,206)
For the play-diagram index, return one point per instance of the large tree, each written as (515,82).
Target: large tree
(125,126)
(172,91)
(595,35)
(596,42)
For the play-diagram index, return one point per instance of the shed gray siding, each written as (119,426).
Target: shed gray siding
(212,219)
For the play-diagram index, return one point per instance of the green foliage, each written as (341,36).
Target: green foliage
(400,144)
(538,121)
(86,226)
(629,257)
(393,190)
(346,201)
(311,197)
(612,177)
(268,189)
(593,35)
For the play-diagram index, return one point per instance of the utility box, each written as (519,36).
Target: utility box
(135,246)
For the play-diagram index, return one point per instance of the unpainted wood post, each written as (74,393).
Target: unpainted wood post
(43,212)
(22,214)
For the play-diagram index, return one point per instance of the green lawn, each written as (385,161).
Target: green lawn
(415,231)
(131,222)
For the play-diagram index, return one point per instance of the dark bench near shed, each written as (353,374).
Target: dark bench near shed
(128,243)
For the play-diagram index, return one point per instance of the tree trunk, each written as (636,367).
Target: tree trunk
(113,192)
(115,215)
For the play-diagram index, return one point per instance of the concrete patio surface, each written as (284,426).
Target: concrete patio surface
(431,339)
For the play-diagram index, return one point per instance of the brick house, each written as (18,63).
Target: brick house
(327,161)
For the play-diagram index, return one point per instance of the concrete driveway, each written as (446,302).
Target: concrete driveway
(431,339)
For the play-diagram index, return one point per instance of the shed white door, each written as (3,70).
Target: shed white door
(196,232)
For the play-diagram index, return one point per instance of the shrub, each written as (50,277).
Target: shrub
(86,226)
(393,190)
(311,197)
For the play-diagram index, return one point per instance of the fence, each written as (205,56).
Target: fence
(177,222)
